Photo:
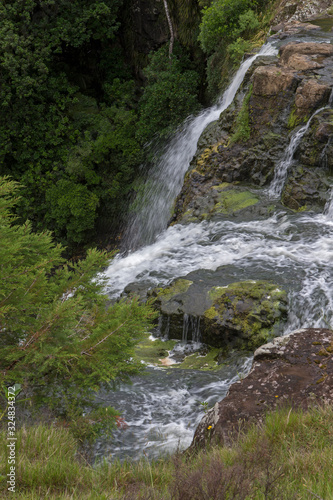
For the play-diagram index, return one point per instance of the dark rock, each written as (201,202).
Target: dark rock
(295,370)
(248,141)
(238,315)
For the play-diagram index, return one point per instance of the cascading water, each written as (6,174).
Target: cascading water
(281,171)
(165,181)
(293,250)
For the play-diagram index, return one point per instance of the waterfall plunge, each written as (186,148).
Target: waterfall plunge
(165,181)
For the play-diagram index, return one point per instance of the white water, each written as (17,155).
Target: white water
(293,250)
(165,182)
(281,171)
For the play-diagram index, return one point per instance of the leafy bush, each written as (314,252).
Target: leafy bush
(170,94)
(221,20)
(237,49)
(58,337)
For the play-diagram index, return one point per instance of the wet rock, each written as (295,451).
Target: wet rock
(243,313)
(251,136)
(324,132)
(296,370)
(316,148)
(305,189)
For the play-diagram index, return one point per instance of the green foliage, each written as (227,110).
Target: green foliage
(170,94)
(58,337)
(54,137)
(237,49)
(220,21)
(293,119)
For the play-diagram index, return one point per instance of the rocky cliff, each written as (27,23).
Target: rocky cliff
(282,99)
(295,370)
(245,146)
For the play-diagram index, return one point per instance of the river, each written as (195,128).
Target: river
(293,250)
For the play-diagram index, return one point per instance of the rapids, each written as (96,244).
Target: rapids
(293,250)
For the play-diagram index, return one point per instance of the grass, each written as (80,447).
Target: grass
(290,456)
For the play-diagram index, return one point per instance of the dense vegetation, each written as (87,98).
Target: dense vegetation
(75,112)
(58,339)
(288,458)
(73,120)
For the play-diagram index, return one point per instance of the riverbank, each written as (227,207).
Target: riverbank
(288,457)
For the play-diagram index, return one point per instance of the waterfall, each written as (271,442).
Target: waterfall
(165,181)
(281,170)
(191,328)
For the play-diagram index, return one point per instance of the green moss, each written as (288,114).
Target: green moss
(222,187)
(216,292)
(195,361)
(211,313)
(232,201)
(151,351)
(242,130)
(295,120)
(177,287)
(249,309)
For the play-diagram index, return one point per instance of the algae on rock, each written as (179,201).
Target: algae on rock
(244,314)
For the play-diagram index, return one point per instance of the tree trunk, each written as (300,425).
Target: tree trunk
(172,35)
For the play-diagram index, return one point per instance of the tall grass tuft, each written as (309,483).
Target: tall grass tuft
(288,457)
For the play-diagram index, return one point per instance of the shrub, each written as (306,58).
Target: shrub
(170,94)
(221,20)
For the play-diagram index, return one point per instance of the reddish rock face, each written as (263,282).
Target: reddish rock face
(270,80)
(313,49)
(294,370)
(310,95)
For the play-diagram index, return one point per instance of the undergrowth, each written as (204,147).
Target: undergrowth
(290,456)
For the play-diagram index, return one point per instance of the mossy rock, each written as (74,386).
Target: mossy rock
(156,352)
(241,315)
(244,314)
(231,200)
(153,351)
(203,362)
(177,287)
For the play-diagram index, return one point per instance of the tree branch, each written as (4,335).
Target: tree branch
(103,340)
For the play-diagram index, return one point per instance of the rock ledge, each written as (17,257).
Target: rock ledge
(294,370)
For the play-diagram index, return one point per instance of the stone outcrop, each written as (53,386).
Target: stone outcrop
(240,315)
(311,50)
(271,80)
(300,10)
(295,370)
(250,137)
(310,95)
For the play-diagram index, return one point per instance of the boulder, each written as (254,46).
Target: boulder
(271,80)
(310,49)
(241,315)
(311,95)
(295,370)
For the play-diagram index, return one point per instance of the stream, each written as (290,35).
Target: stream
(294,250)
